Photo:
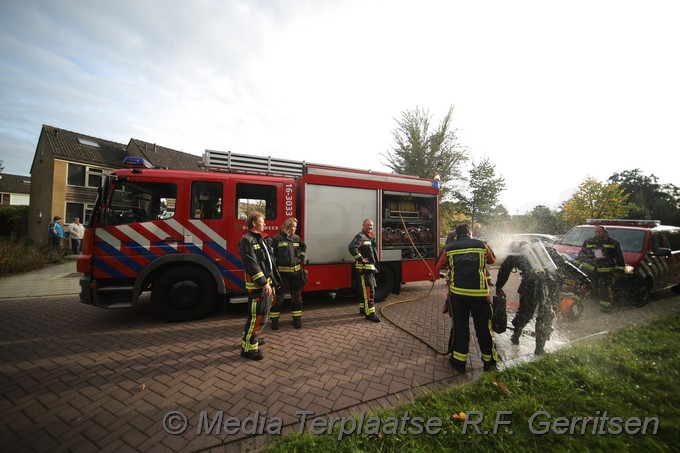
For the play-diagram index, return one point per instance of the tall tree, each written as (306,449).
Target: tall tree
(649,199)
(423,152)
(484,187)
(595,200)
(544,220)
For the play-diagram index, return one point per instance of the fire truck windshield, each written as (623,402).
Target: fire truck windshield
(139,201)
(632,240)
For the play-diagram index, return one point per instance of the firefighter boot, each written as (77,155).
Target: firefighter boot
(252,355)
(540,347)
(457,365)
(297,321)
(372,317)
(490,365)
(514,339)
(275,323)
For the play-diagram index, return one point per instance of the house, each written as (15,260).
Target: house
(15,190)
(68,167)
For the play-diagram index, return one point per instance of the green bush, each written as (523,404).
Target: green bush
(20,255)
(13,221)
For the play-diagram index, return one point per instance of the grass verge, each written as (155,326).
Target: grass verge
(617,394)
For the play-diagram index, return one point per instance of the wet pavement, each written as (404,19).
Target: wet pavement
(79,378)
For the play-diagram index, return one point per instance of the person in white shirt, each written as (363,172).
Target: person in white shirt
(77,232)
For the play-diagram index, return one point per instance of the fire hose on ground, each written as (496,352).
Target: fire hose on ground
(416,299)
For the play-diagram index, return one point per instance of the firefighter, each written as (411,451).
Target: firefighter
(466,258)
(364,250)
(260,278)
(534,292)
(602,258)
(289,254)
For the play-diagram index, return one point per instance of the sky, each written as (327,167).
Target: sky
(550,92)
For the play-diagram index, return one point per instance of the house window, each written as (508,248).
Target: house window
(4,198)
(76,175)
(80,210)
(84,141)
(94,177)
(88,214)
(82,176)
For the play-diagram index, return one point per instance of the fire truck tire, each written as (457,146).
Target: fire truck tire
(184,294)
(384,282)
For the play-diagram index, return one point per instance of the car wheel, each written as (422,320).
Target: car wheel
(643,294)
(184,294)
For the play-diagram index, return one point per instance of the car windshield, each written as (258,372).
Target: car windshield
(631,240)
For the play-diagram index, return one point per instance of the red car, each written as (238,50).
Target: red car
(651,251)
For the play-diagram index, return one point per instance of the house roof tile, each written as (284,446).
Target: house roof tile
(76,147)
(15,183)
(163,157)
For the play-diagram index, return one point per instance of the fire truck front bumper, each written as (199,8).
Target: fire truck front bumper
(91,293)
(85,291)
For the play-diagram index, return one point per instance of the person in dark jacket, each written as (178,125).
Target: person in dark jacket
(534,292)
(289,254)
(602,258)
(364,250)
(260,278)
(467,259)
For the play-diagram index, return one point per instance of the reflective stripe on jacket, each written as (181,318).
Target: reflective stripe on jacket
(364,247)
(601,255)
(289,252)
(467,260)
(255,251)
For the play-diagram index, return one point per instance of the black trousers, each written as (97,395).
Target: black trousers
(480,309)
(289,281)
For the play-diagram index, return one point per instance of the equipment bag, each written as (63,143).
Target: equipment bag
(499,320)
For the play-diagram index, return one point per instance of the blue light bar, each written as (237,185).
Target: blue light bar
(136,162)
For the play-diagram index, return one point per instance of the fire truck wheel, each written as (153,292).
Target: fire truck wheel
(384,282)
(183,294)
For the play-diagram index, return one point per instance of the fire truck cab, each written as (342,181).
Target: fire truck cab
(175,233)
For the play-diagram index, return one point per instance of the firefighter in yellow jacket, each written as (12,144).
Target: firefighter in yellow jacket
(260,277)
(289,254)
(363,249)
(602,259)
(466,259)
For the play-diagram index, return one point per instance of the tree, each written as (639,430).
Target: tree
(484,187)
(649,199)
(2,168)
(541,220)
(595,200)
(419,151)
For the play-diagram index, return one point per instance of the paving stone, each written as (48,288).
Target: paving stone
(71,374)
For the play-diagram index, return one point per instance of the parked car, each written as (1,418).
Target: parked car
(651,252)
(502,243)
(548,240)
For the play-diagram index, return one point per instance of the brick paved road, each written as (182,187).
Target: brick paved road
(78,378)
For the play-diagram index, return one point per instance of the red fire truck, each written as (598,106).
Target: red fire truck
(175,233)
